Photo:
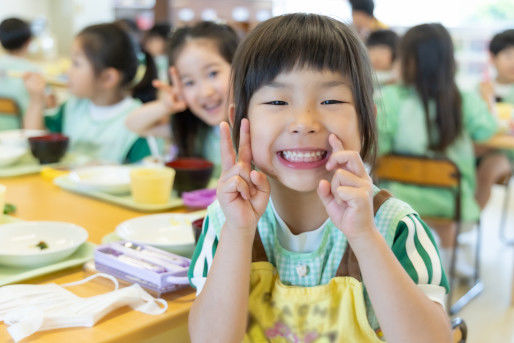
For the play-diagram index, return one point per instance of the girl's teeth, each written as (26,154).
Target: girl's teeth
(296,156)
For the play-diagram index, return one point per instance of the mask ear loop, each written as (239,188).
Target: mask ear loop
(94,276)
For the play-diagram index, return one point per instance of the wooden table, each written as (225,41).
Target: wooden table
(38,199)
(499,141)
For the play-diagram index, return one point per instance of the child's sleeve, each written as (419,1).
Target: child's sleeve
(417,252)
(138,151)
(54,121)
(203,255)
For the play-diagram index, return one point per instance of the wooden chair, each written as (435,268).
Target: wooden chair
(10,107)
(442,173)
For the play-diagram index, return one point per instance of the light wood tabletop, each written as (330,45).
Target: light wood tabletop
(36,198)
(499,141)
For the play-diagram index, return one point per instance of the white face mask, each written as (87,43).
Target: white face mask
(31,308)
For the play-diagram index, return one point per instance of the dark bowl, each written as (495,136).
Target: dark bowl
(48,148)
(191,173)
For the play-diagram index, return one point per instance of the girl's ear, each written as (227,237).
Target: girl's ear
(110,78)
(231,114)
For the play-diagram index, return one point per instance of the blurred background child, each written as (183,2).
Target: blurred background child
(197,101)
(428,115)
(101,78)
(15,36)
(382,50)
(501,49)
(363,19)
(155,41)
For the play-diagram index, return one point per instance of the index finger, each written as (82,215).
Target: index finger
(228,154)
(335,143)
(339,156)
(175,80)
(245,150)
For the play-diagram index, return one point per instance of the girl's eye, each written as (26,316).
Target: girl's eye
(213,74)
(332,102)
(188,83)
(276,103)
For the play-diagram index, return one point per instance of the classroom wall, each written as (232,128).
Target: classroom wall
(65,17)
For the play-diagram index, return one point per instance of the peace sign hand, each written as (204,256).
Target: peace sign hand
(348,197)
(171,95)
(243,193)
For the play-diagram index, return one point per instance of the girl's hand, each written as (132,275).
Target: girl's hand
(243,193)
(35,85)
(171,95)
(487,90)
(348,197)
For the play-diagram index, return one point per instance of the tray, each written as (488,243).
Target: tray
(29,165)
(11,275)
(124,200)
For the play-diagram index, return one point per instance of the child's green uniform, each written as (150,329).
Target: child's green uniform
(13,88)
(402,129)
(102,139)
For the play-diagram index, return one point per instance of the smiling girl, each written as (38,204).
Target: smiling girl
(200,58)
(304,247)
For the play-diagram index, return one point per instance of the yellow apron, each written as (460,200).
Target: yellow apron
(334,312)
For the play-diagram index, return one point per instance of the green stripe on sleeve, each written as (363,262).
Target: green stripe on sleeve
(198,250)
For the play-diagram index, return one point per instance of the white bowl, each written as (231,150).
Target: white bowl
(19,137)
(10,154)
(108,179)
(18,242)
(169,231)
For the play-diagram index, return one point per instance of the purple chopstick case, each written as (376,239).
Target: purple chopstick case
(159,282)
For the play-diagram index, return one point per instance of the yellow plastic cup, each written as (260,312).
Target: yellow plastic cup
(151,186)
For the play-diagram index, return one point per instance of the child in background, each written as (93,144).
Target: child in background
(501,49)
(154,41)
(363,19)
(15,36)
(333,259)
(103,72)
(428,115)
(196,102)
(382,50)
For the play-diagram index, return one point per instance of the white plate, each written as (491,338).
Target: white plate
(18,242)
(168,231)
(108,179)
(10,154)
(18,137)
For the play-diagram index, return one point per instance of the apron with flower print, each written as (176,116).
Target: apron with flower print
(334,312)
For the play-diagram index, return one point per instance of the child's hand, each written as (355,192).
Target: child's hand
(35,85)
(171,95)
(243,193)
(487,90)
(348,197)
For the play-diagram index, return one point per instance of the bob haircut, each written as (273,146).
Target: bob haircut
(290,41)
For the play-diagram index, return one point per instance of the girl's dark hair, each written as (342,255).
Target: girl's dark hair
(501,41)
(186,126)
(305,40)
(14,33)
(427,63)
(110,46)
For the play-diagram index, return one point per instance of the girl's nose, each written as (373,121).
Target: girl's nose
(305,123)
(207,90)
